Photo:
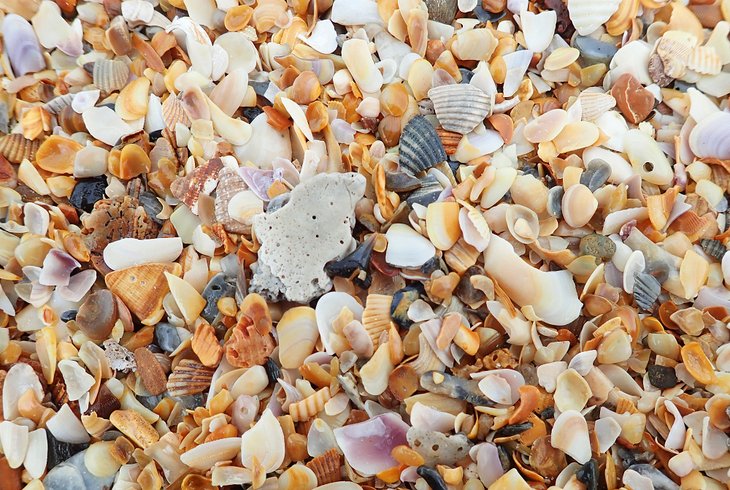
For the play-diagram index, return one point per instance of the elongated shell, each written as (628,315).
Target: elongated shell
(110,75)
(420,146)
(460,107)
(263,442)
(310,406)
(22,46)
(298,334)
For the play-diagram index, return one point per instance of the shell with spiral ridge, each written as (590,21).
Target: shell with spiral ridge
(420,146)
(460,107)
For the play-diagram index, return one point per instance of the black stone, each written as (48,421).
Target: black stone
(588,474)
(355,265)
(251,113)
(548,413)
(662,377)
(87,192)
(432,477)
(68,315)
(151,205)
(658,479)
(273,371)
(155,135)
(218,287)
(513,430)
(485,16)
(58,451)
(402,300)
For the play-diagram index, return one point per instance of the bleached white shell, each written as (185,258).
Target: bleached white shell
(328,308)
(323,37)
(14,441)
(36,456)
(635,264)
(587,15)
(66,427)
(647,158)
(20,378)
(538,29)
(407,247)
(129,252)
(357,58)
(517,64)
(607,431)
(203,457)
(620,168)
(570,434)
(265,442)
(711,137)
(78,381)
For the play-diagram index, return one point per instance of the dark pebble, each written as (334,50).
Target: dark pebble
(251,113)
(596,174)
(402,300)
(58,451)
(658,479)
(432,477)
(155,135)
(166,337)
(87,192)
(105,403)
(485,16)
(273,371)
(662,377)
(548,413)
(354,265)
(259,87)
(218,287)
(466,75)
(598,246)
(68,315)
(588,474)
(151,205)
(513,430)
(593,51)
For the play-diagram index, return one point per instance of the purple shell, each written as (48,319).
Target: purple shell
(258,180)
(57,268)
(22,46)
(367,445)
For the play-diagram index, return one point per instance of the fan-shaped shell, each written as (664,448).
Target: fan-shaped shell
(142,288)
(587,15)
(460,107)
(420,146)
(297,332)
(16,148)
(110,75)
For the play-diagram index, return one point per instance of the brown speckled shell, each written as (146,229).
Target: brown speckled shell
(201,180)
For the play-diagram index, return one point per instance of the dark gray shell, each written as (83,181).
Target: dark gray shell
(555,201)
(596,174)
(714,248)
(442,11)
(646,290)
(428,192)
(420,146)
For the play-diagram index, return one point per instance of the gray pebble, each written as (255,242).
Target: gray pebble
(218,287)
(596,174)
(73,475)
(166,337)
(593,51)
(659,479)
(438,448)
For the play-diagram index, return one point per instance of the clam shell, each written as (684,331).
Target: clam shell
(326,467)
(328,308)
(442,224)
(587,16)
(263,443)
(406,247)
(133,99)
(420,147)
(705,60)
(188,300)
(110,75)
(538,29)
(21,43)
(578,206)
(710,138)
(142,288)
(647,157)
(298,333)
(14,440)
(572,392)
(16,148)
(460,107)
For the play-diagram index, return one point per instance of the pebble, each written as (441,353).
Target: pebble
(432,477)
(588,474)
(596,174)
(662,377)
(167,337)
(454,387)
(73,475)
(402,300)
(593,51)
(68,315)
(598,246)
(555,201)
(98,314)
(438,448)
(659,479)
(218,287)
(58,451)
(87,192)
(151,205)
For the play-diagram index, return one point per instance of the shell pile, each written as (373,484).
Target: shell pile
(360,244)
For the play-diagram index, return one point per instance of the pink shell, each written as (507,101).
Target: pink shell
(367,445)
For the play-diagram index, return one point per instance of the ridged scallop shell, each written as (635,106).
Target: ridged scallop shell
(711,137)
(326,467)
(646,290)
(110,75)
(56,104)
(376,315)
(142,288)
(587,15)
(593,104)
(714,248)
(173,112)
(310,406)
(420,146)
(705,60)
(460,107)
(188,378)
(461,256)
(229,184)
(16,148)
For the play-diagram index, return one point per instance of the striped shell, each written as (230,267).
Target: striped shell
(57,104)
(110,75)
(460,107)
(646,290)
(705,60)
(16,148)
(461,256)
(594,104)
(376,316)
(229,184)
(326,467)
(420,146)
(173,113)
(188,378)
(310,406)
(588,15)
(713,248)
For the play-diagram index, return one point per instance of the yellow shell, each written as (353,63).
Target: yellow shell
(376,316)
(133,100)
(442,224)
(142,288)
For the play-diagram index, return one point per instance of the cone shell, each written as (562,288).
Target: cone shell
(376,316)
(460,107)
(310,406)
(188,378)
(297,332)
(142,288)
(16,148)
(420,146)
(326,467)
(587,15)
(110,75)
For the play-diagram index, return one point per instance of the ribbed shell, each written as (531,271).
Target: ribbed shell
(646,290)
(427,359)
(714,248)
(461,256)
(376,316)
(188,378)
(173,113)
(110,75)
(15,147)
(593,104)
(460,107)
(326,467)
(229,184)
(56,104)
(427,193)
(420,146)
(310,406)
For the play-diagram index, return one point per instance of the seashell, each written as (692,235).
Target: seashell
(299,476)
(474,45)
(576,136)
(129,252)
(561,58)
(522,223)
(697,364)
(375,372)
(188,300)
(578,205)
(72,122)
(150,371)
(66,427)
(538,29)
(693,273)
(460,107)
(646,291)
(436,447)
(420,147)
(202,180)
(367,445)
(173,113)
(133,99)
(20,378)
(587,17)
(647,158)
(16,148)
(189,378)
(442,11)
(326,467)
(714,248)
(310,406)
(56,154)
(594,104)
(235,131)
(263,444)
(615,347)
(14,439)
(110,75)
(454,387)
(297,333)
(205,345)
(24,52)
(709,138)
(596,175)
(442,224)
(357,58)
(247,347)
(704,60)
(206,455)
(429,191)
(78,382)
(355,265)
(406,247)
(135,427)
(546,127)
(142,289)
(376,315)
(516,66)
(572,392)
(570,434)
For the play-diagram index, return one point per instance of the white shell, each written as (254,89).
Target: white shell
(203,457)
(20,378)
(587,15)
(265,442)
(570,434)
(14,441)
(711,137)
(517,64)
(635,264)
(66,427)
(78,381)
(647,158)
(129,252)
(328,308)
(36,456)
(538,29)
(407,247)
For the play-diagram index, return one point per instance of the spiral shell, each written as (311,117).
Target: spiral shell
(460,107)
(310,406)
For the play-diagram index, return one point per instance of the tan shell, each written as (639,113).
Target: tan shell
(326,467)
(579,204)
(310,406)
(229,184)
(142,288)
(188,378)
(297,332)
(460,107)
(594,104)
(461,256)
(246,347)
(522,223)
(110,75)
(173,113)
(705,60)
(132,425)
(376,316)
(206,346)
(16,148)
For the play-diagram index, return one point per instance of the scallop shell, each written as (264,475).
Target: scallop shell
(142,289)
(297,333)
(522,223)
(326,467)
(710,138)
(587,16)
(110,75)
(594,104)
(705,60)
(188,378)
(376,315)
(173,113)
(461,256)
(420,147)
(16,148)
(460,107)
(309,407)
